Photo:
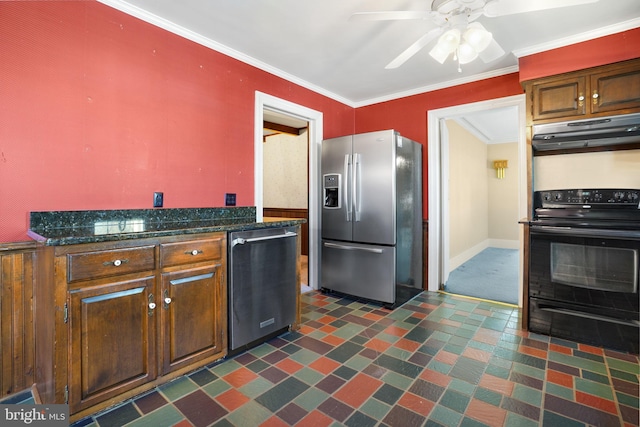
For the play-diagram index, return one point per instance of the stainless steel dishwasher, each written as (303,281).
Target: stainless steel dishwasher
(262,283)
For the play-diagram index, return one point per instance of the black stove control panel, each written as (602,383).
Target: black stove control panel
(607,197)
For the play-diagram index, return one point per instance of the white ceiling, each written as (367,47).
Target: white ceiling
(313,43)
(496,126)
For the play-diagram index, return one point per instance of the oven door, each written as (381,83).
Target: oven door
(591,267)
(583,285)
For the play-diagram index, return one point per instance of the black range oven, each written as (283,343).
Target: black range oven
(584,266)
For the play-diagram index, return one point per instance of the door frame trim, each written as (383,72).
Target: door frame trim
(315,119)
(436,170)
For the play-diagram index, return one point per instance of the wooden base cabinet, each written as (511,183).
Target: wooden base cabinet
(112,346)
(116,318)
(17,278)
(190,317)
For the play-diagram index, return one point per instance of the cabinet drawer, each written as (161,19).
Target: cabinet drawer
(190,251)
(91,265)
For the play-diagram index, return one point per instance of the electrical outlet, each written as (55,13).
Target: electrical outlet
(230,199)
(158,199)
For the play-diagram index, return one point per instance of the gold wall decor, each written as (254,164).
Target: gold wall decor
(500,166)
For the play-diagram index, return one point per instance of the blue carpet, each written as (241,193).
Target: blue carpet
(492,274)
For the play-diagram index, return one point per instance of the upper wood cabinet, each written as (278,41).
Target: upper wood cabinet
(595,92)
(616,90)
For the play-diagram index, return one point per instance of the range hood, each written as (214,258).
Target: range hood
(599,132)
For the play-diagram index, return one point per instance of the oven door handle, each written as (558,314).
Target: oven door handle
(633,323)
(585,232)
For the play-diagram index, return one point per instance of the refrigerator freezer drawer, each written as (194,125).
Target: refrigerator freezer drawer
(366,271)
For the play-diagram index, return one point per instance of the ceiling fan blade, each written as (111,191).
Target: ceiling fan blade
(389,16)
(414,48)
(491,52)
(495,8)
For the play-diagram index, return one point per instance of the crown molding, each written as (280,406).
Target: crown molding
(442,85)
(167,25)
(157,21)
(578,38)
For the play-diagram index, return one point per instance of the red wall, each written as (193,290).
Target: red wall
(98,110)
(409,115)
(605,50)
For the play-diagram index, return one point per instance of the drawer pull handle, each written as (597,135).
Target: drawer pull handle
(580,100)
(152,305)
(193,252)
(116,263)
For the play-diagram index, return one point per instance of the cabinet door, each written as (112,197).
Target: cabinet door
(615,90)
(191,315)
(559,98)
(112,340)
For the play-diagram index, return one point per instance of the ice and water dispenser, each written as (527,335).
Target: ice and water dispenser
(331,190)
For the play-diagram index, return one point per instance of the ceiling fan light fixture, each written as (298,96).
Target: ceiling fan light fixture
(450,40)
(439,53)
(466,53)
(447,43)
(477,36)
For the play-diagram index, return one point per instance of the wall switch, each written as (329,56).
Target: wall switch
(230,199)
(158,199)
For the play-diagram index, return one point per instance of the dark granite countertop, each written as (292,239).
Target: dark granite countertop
(57,228)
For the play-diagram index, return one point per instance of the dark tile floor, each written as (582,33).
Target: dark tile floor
(439,360)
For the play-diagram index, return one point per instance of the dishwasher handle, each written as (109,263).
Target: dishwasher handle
(241,241)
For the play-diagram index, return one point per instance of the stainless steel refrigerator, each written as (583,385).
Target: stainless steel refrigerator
(372,216)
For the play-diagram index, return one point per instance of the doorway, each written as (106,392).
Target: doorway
(285,180)
(483,205)
(315,125)
(440,191)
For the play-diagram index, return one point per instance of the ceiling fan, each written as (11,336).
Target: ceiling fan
(456,27)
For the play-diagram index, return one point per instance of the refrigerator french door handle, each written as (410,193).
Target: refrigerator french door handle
(357,177)
(346,190)
(352,248)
